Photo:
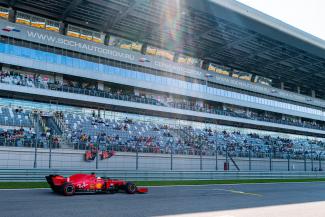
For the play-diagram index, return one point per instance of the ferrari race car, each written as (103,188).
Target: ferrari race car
(90,183)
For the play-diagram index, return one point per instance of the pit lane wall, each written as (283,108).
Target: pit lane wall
(24,158)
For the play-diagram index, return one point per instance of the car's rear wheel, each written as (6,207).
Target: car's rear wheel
(131,188)
(68,189)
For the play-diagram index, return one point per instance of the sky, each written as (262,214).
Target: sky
(307,15)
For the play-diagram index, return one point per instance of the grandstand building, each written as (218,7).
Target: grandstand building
(214,80)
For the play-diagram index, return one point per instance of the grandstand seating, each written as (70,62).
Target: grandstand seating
(123,134)
(17,128)
(39,82)
(127,135)
(15,117)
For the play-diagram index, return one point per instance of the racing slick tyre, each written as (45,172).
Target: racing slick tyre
(130,188)
(68,189)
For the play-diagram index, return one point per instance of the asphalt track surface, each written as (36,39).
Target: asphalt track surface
(251,200)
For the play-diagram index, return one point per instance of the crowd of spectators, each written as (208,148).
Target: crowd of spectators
(26,137)
(44,82)
(228,112)
(162,138)
(127,135)
(19,137)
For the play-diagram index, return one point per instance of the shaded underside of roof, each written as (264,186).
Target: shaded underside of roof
(225,32)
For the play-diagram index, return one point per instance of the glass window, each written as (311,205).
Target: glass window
(52,26)
(23,18)
(37,22)
(124,43)
(4,13)
(86,34)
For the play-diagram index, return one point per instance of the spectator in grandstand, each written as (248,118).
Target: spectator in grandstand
(42,81)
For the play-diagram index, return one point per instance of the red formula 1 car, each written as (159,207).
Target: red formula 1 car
(90,183)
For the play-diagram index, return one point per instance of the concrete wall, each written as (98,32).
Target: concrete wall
(14,157)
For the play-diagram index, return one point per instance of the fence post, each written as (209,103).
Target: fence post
(201,167)
(271,150)
(312,157)
(250,158)
(320,162)
(50,153)
(227,163)
(36,140)
(216,156)
(288,162)
(137,157)
(35,154)
(305,161)
(171,157)
(97,150)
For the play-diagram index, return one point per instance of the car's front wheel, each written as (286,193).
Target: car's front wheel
(131,188)
(68,189)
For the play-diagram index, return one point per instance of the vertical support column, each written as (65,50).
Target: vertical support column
(253,78)
(176,57)
(62,28)
(136,92)
(106,39)
(282,85)
(12,15)
(313,93)
(58,78)
(100,85)
(298,89)
(144,48)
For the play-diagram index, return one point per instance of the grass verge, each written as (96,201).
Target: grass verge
(209,182)
(23,185)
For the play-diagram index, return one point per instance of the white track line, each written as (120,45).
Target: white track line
(269,183)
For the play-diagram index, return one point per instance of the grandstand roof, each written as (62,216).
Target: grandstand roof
(223,31)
